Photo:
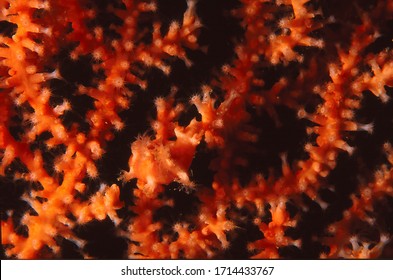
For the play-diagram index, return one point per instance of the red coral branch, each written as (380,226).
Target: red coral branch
(260,154)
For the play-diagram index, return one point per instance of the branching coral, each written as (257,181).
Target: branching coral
(198,129)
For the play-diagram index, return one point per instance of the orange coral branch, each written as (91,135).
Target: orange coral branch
(255,154)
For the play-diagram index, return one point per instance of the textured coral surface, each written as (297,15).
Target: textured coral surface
(196,129)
